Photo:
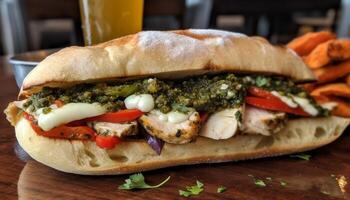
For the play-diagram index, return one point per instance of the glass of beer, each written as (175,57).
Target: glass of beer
(103,20)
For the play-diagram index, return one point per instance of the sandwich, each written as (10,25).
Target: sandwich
(159,99)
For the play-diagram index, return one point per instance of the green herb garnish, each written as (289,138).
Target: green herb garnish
(137,181)
(192,190)
(221,189)
(301,156)
(259,182)
(46,110)
(261,81)
(283,183)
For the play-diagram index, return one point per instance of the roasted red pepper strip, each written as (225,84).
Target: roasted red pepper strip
(107,142)
(275,105)
(117,117)
(66,132)
(63,131)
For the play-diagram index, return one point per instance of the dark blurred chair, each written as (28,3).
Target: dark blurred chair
(276,11)
(35,10)
(25,22)
(165,8)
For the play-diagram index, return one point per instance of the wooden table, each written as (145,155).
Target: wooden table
(322,177)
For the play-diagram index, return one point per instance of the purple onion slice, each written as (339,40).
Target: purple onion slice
(156,143)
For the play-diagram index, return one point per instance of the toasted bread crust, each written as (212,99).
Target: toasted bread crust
(169,54)
(84,157)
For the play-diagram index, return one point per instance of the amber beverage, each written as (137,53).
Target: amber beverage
(103,20)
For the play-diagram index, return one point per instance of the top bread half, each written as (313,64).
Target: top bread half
(171,54)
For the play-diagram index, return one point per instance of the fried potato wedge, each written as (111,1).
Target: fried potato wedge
(319,56)
(304,44)
(347,79)
(339,50)
(332,72)
(332,50)
(342,109)
(334,89)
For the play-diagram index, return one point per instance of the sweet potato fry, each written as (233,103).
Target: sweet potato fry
(334,89)
(319,56)
(303,45)
(309,87)
(339,50)
(332,50)
(332,72)
(347,79)
(342,109)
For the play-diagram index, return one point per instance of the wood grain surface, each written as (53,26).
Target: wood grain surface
(323,177)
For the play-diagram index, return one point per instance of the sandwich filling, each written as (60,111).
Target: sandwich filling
(171,111)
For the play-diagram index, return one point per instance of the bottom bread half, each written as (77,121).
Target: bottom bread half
(84,157)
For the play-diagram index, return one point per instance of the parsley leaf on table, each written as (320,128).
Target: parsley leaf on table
(259,182)
(221,189)
(137,181)
(301,156)
(192,190)
(283,183)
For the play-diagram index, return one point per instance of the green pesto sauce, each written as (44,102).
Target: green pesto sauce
(204,93)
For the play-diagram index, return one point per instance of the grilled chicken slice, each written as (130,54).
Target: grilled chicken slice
(222,125)
(259,121)
(116,129)
(176,133)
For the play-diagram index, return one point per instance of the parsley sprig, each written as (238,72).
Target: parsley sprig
(192,190)
(137,181)
(301,156)
(221,189)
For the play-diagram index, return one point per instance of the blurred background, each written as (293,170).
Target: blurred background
(27,25)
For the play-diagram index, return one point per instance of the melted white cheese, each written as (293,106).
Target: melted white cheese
(68,113)
(295,101)
(174,117)
(285,99)
(329,105)
(143,102)
(306,105)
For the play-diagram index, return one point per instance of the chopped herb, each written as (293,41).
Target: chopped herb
(269,178)
(46,110)
(192,190)
(137,181)
(238,116)
(259,182)
(261,81)
(301,156)
(221,189)
(283,183)
(180,108)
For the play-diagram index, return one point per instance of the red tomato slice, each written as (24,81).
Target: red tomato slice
(259,92)
(117,117)
(275,105)
(107,142)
